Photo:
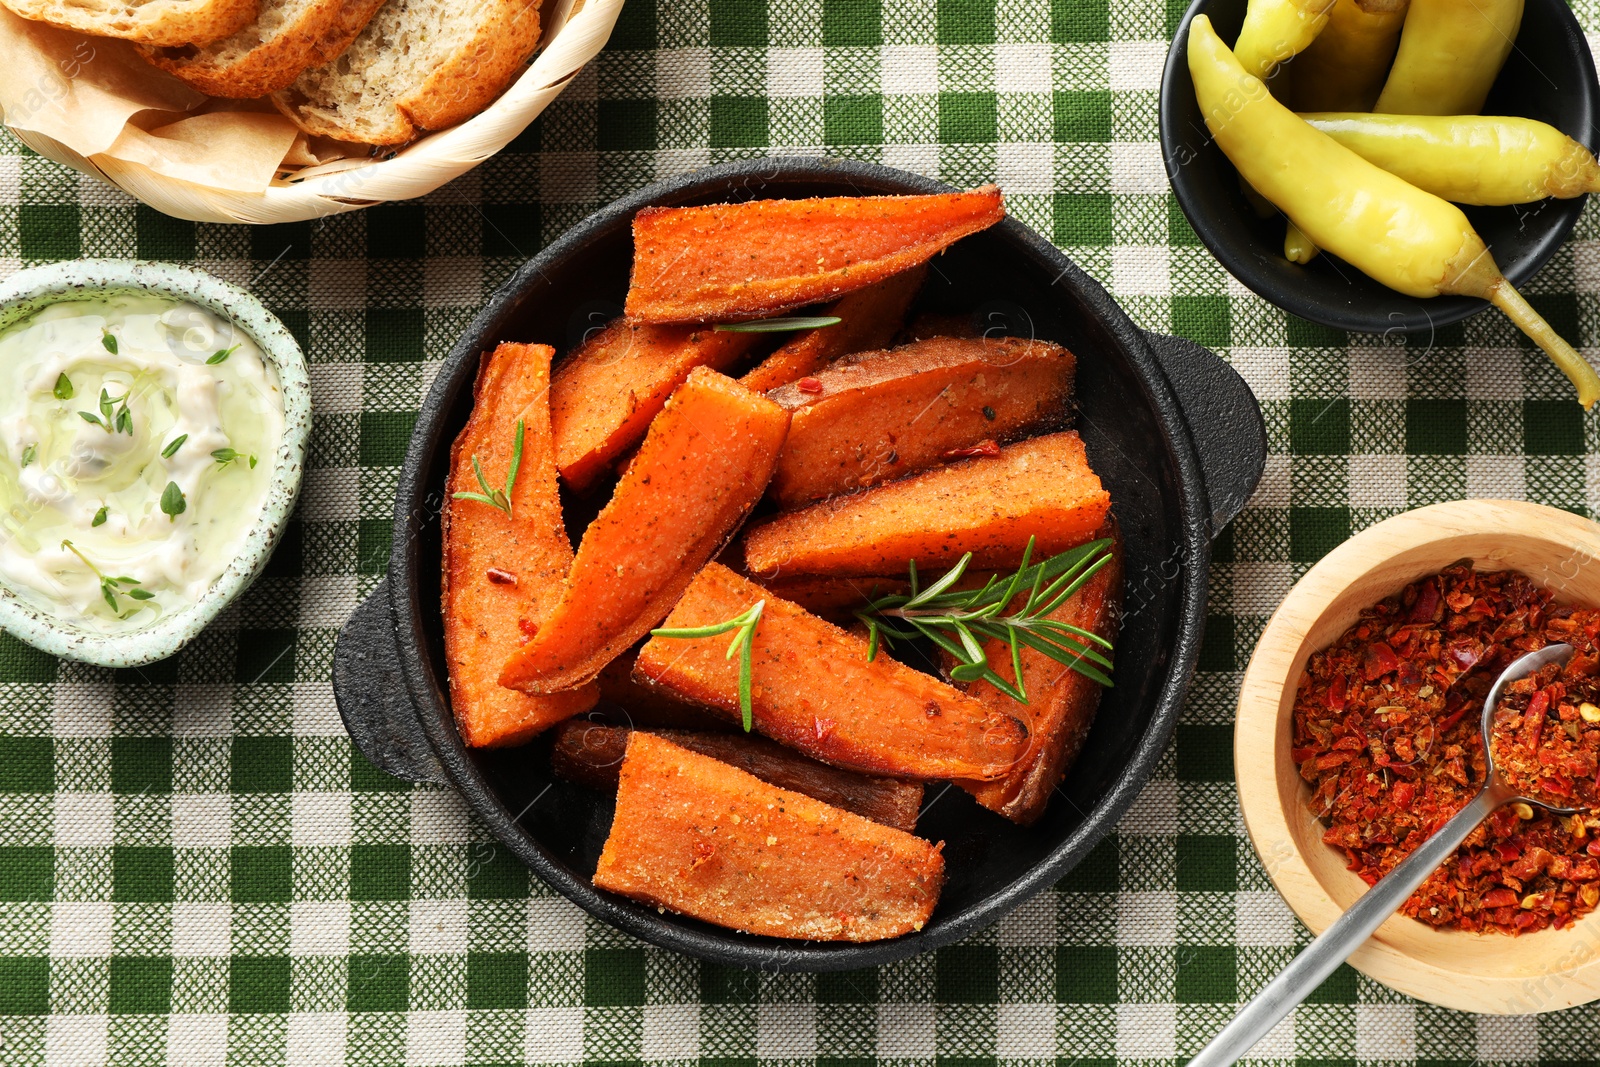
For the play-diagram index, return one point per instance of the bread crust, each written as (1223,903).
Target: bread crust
(320,36)
(472,78)
(155,22)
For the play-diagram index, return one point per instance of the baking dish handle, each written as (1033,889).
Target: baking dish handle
(373,700)
(1224,420)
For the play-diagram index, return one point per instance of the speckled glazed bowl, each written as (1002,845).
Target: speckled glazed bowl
(32,290)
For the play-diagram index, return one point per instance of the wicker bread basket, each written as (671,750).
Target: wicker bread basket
(577,31)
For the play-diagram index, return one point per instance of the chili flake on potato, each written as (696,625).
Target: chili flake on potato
(1386,731)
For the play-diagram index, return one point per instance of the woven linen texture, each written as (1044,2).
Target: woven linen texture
(197,869)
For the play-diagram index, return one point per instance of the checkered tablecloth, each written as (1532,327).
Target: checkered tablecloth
(196,868)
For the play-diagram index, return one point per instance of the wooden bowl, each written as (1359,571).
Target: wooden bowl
(1491,972)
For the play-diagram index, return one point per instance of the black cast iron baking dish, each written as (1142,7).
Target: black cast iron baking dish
(1175,434)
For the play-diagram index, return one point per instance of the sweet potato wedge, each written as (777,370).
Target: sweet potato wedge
(814,689)
(725,262)
(499,568)
(876,416)
(703,465)
(869,319)
(707,840)
(604,395)
(647,706)
(1061,702)
(835,599)
(989,506)
(590,754)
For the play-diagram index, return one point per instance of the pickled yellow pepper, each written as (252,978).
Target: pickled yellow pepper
(1344,68)
(1467,158)
(1276,30)
(1401,236)
(1450,53)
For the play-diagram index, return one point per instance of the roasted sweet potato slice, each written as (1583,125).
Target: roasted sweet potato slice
(869,319)
(835,599)
(699,837)
(726,262)
(989,506)
(499,568)
(814,689)
(876,416)
(604,395)
(590,754)
(1061,702)
(648,706)
(703,465)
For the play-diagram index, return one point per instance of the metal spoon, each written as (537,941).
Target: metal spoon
(1323,956)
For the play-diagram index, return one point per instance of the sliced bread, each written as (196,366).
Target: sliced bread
(287,37)
(418,65)
(154,22)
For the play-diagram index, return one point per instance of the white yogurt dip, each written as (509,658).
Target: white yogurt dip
(138,436)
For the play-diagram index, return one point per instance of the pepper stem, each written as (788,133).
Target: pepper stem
(1563,355)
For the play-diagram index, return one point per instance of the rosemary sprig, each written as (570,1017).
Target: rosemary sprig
(745,623)
(794,322)
(112,587)
(497,498)
(957,620)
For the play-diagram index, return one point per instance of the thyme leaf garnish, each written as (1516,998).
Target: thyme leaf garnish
(114,416)
(101,516)
(957,620)
(225,456)
(793,322)
(220,356)
(108,341)
(64,389)
(112,587)
(745,623)
(173,502)
(29,453)
(172,449)
(496,498)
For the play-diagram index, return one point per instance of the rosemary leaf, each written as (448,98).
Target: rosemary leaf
(793,322)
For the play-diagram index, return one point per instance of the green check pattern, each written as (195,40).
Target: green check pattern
(197,869)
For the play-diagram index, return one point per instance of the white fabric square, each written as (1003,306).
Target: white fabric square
(917,158)
(202,711)
(84,820)
(1025,1032)
(1022,68)
(198,1040)
(436,1038)
(201,820)
(1136,168)
(315,1039)
(795,72)
(10,179)
(683,72)
(1135,66)
(319,928)
(75,1040)
(336,388)
(1386,1031)
(1494,374)
(320,818)
(331,494)
(1378,372)
(81,709)
(1147,918)
(201,928)
(669,1032)
(1032,924)
(1147,1031)
(786,1031)
(1377,481)
(1276,481)
(438,818)
(316,714)
(906,1031)
(1497,477)
(910,69)
(568,177)
(1585,260)
(1261,917)
(555,924)
(338,284)
(1258,588)
(1507,1037)
(1264,369)
(438,927)
(80,928)
(1025,167)
(1141,270)
(1154,810)
(454,281)
(555,1035)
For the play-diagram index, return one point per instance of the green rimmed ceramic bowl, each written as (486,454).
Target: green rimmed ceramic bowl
(30,291)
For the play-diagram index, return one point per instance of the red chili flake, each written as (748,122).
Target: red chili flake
(529,629)
(702,851)
(1386,731)
(809,385)
(500,577)
(982,448)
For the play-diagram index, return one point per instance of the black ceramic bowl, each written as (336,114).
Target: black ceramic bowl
(1174,433)
(1550,76)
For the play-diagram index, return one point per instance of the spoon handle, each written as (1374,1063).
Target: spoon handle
(1323,956)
